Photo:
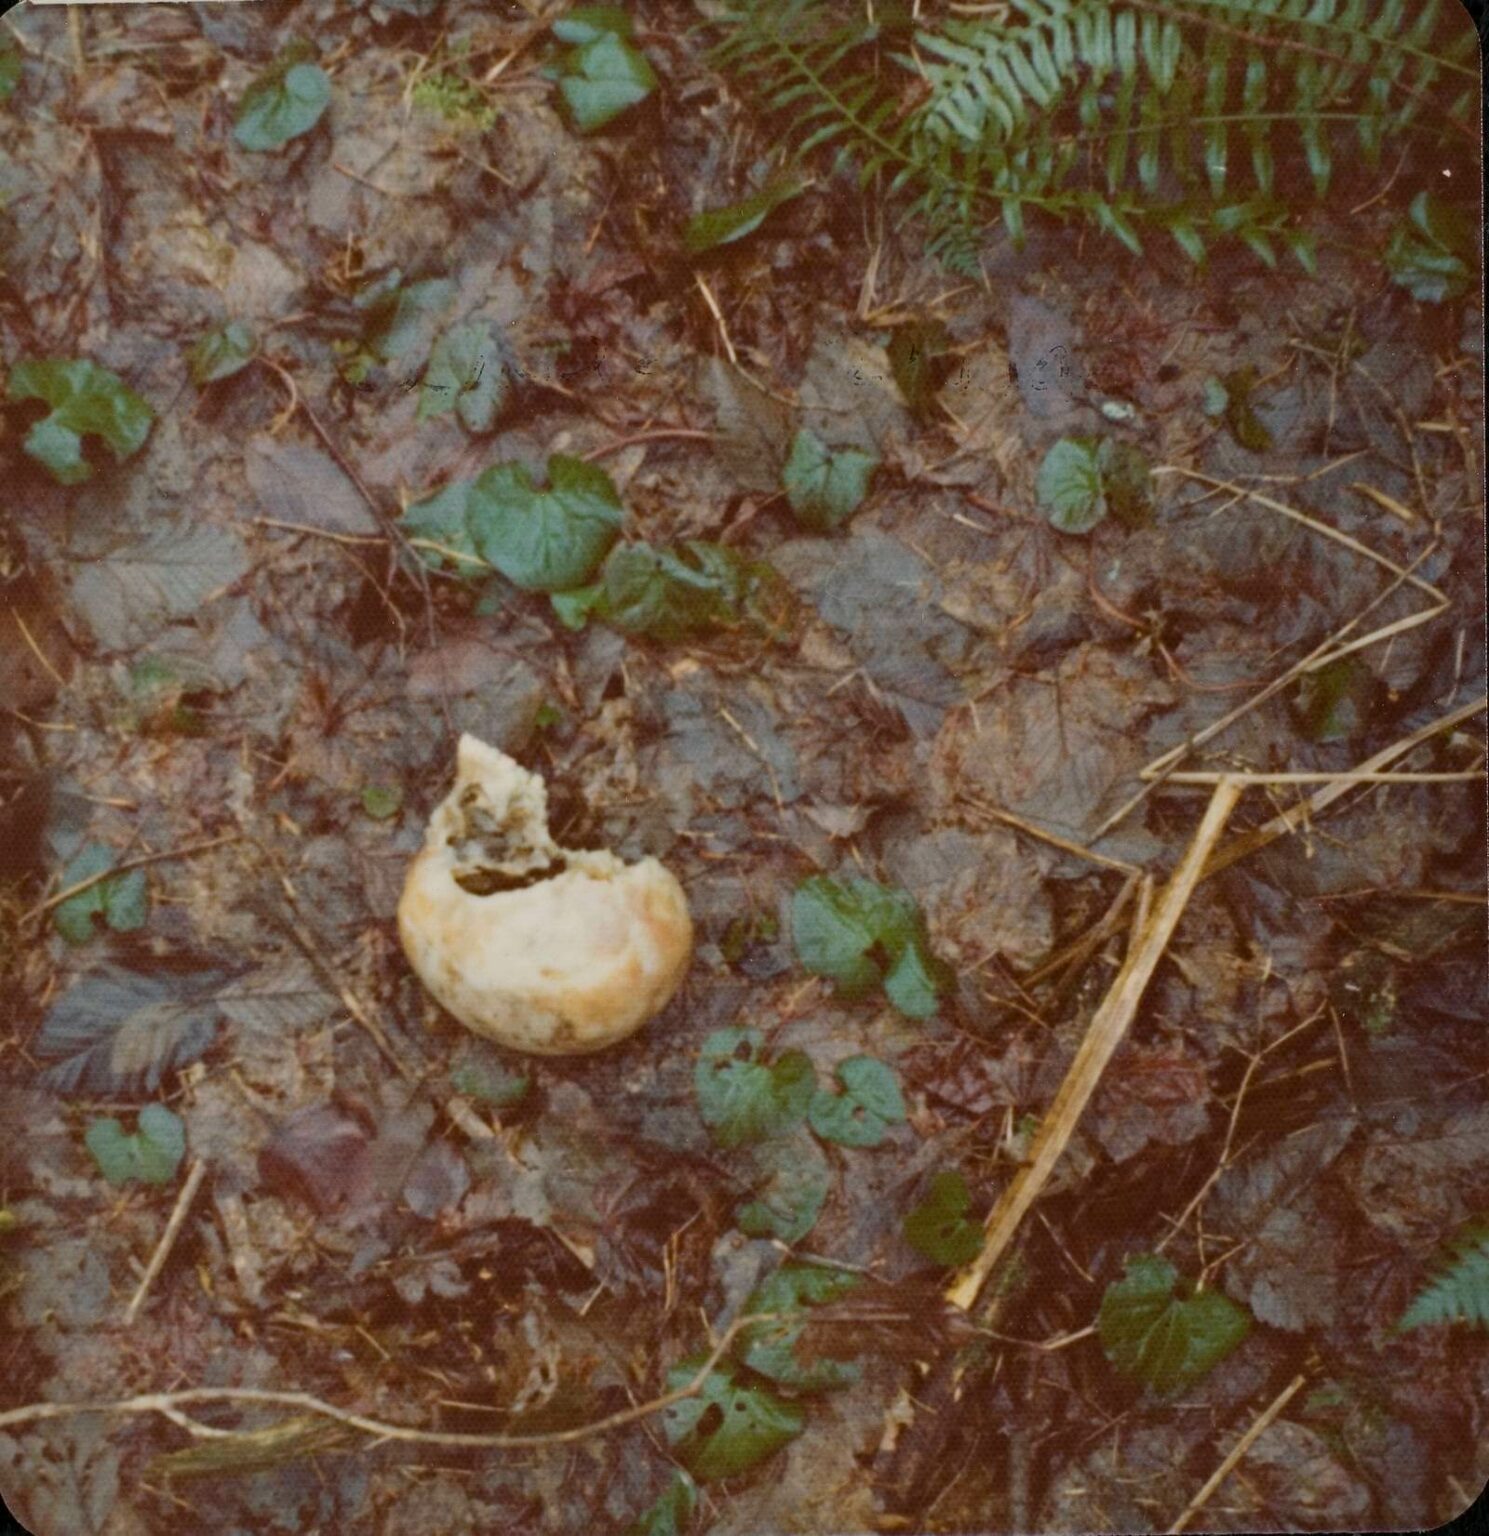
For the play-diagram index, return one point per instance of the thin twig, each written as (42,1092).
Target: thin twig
(1270,831)
(1345,776)
(167,1403)
(1244,1444)
(68,892)
(1105,1033)
(168,1237)
(1065,845)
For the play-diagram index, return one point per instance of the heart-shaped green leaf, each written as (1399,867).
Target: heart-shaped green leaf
(121,902)
(668,594)
(602,79)
(465,375)
(151,1155)
(859,1116)
(545,539)
(221,353)
(741,1096)
(939,1226)
(1149,1332)
(769,1348)
(791,1182)
(825,488)
(287,100)
(1069,485)
(439,528)
(728,1426)
(858,934)
(84,399)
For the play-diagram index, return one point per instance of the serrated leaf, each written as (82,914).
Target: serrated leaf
(465,375)
(1460,1293)
(284,102)
(222,352)
(742,1097)
(1168,1343)
(858,933)
(604,78)
(859,1116)
(769,1348)
(118,1031)
(672,1513)
(723,226)
(1069,485)
(130,594)
(543,539)
(791,1182)
(825,487)
(151,1155)
(939,1226)
(85,400)
(729,1425)
(120,902)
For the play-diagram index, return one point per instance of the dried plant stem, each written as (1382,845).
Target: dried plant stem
(1344,776)
(1105,1033)
(169,1404)
(167,1238)
(1270,831)
(1244,1444)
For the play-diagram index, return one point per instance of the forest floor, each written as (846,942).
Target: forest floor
(233,688)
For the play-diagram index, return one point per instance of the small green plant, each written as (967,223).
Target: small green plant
(939,1227)
(284,102)
(734,1422)
(382,801)
(120,902)
(603,74)
(541,538)
(1084,478)
(85,401)
(1459,1293)
(745,1096)
(671,594)
(222,352)
(860,934)
(1431,251)
(825,486)
(861,1115)
(151,1155)
(465,375)
(456,100)
(1164,1332)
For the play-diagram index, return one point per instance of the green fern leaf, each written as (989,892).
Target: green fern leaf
(1460,1294)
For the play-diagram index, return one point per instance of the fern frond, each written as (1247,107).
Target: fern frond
(1117,111)
(1460,1293)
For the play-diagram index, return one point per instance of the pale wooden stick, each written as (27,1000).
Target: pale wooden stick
(1104,1034)
(167,1238)
(1344,776)
(1270,831)
(1242,1445)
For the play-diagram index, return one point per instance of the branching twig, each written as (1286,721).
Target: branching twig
(168,1404)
